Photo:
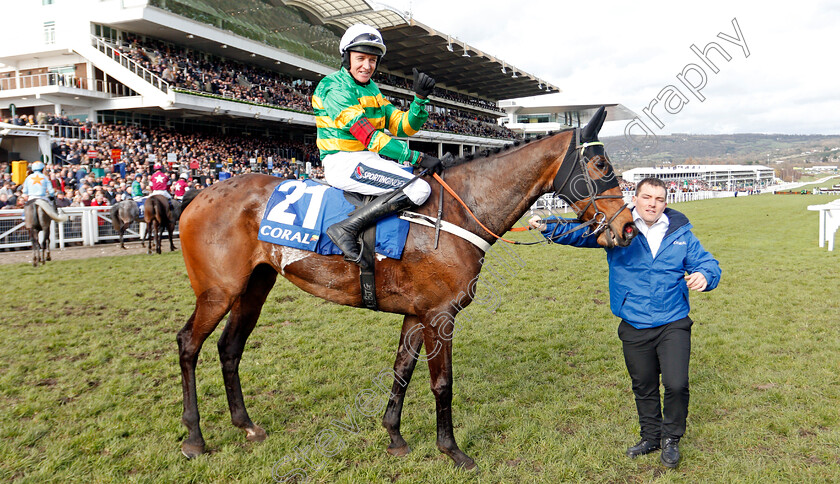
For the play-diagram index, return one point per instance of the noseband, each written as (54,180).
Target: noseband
(573,183)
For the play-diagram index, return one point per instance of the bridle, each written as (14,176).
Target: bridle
(571,176)
(573,183)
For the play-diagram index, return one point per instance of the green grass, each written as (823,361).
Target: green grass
(90,385)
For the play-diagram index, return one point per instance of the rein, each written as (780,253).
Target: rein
(600,217)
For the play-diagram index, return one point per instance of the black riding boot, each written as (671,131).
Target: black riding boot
(345,234)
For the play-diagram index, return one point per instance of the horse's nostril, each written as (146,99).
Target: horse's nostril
(628,229)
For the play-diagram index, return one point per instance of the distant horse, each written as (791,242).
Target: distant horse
(37,216)
(123,214)
(158,217)
(232,271)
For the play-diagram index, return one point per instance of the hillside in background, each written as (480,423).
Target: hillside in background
(772,150)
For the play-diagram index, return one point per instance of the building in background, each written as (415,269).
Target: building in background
(721,177)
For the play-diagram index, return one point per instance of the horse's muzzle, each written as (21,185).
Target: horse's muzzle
(628,232)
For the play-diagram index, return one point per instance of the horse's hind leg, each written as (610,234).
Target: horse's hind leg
(243,317)
(411,340)
(46,256)
(440,374)
(36,247)
(210,307)
(123,228)
(149,235)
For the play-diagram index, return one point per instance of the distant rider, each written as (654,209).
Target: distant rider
(37,185)
(160,184)
(181,186)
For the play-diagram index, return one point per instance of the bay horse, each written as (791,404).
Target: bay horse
(123,214)
(37,216)
(230,270)
(158,216)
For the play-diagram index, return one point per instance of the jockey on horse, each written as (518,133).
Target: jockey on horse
(351,114)
(160,184)
(37,185)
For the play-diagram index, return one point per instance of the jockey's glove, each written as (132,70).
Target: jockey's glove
(431,163)
(423,84)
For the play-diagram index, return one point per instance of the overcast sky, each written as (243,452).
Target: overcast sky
(620,52)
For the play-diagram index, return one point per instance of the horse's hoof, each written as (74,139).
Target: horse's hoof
(399,451)
(467,464)
(255,434)
(192,450)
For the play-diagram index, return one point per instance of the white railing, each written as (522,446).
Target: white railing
(73,132)
(117,56)
(85,226)
(64,80)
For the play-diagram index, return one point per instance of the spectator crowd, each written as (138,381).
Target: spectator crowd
(204,73)
(118,165)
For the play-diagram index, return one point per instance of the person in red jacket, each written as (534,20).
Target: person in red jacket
(180,187)
(160,182)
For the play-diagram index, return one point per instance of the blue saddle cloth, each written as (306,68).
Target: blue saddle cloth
(299,212)
(141,205)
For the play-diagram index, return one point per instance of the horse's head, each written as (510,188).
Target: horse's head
(587,182)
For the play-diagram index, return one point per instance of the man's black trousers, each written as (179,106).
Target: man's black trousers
(648,353)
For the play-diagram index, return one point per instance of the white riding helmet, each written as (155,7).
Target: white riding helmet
(37,166)
(362,38)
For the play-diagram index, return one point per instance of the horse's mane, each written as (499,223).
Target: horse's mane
(487,153)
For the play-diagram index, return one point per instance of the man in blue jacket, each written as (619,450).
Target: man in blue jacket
(649,284)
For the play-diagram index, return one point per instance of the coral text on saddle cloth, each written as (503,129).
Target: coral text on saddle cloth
(299,211)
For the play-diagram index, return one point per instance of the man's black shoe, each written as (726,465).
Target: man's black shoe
(670,456)
(643,447)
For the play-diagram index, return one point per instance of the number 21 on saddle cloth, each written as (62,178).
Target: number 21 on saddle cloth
(299,212)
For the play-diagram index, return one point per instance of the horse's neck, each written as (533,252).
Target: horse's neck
(502,188)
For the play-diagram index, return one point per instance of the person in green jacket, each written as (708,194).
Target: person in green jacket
(351,115)
(136,187)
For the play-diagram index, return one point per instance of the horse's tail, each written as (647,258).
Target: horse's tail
(50,211)
(115,215)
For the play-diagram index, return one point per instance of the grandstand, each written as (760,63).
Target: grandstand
(726,177)
(244,68)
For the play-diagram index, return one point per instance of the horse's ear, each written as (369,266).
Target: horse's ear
(590,131)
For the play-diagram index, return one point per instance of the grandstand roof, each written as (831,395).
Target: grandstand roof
(615,111)
(411,44)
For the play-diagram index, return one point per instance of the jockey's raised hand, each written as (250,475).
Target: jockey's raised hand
(423,84)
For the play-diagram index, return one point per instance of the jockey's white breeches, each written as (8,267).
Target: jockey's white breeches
(165,193)
(367,173)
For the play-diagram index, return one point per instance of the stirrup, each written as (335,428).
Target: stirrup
(361,250)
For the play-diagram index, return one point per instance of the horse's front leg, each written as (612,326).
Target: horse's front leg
(411,339)
(171,229)
(438,340)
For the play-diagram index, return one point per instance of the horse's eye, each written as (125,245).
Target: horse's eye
(601,164)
